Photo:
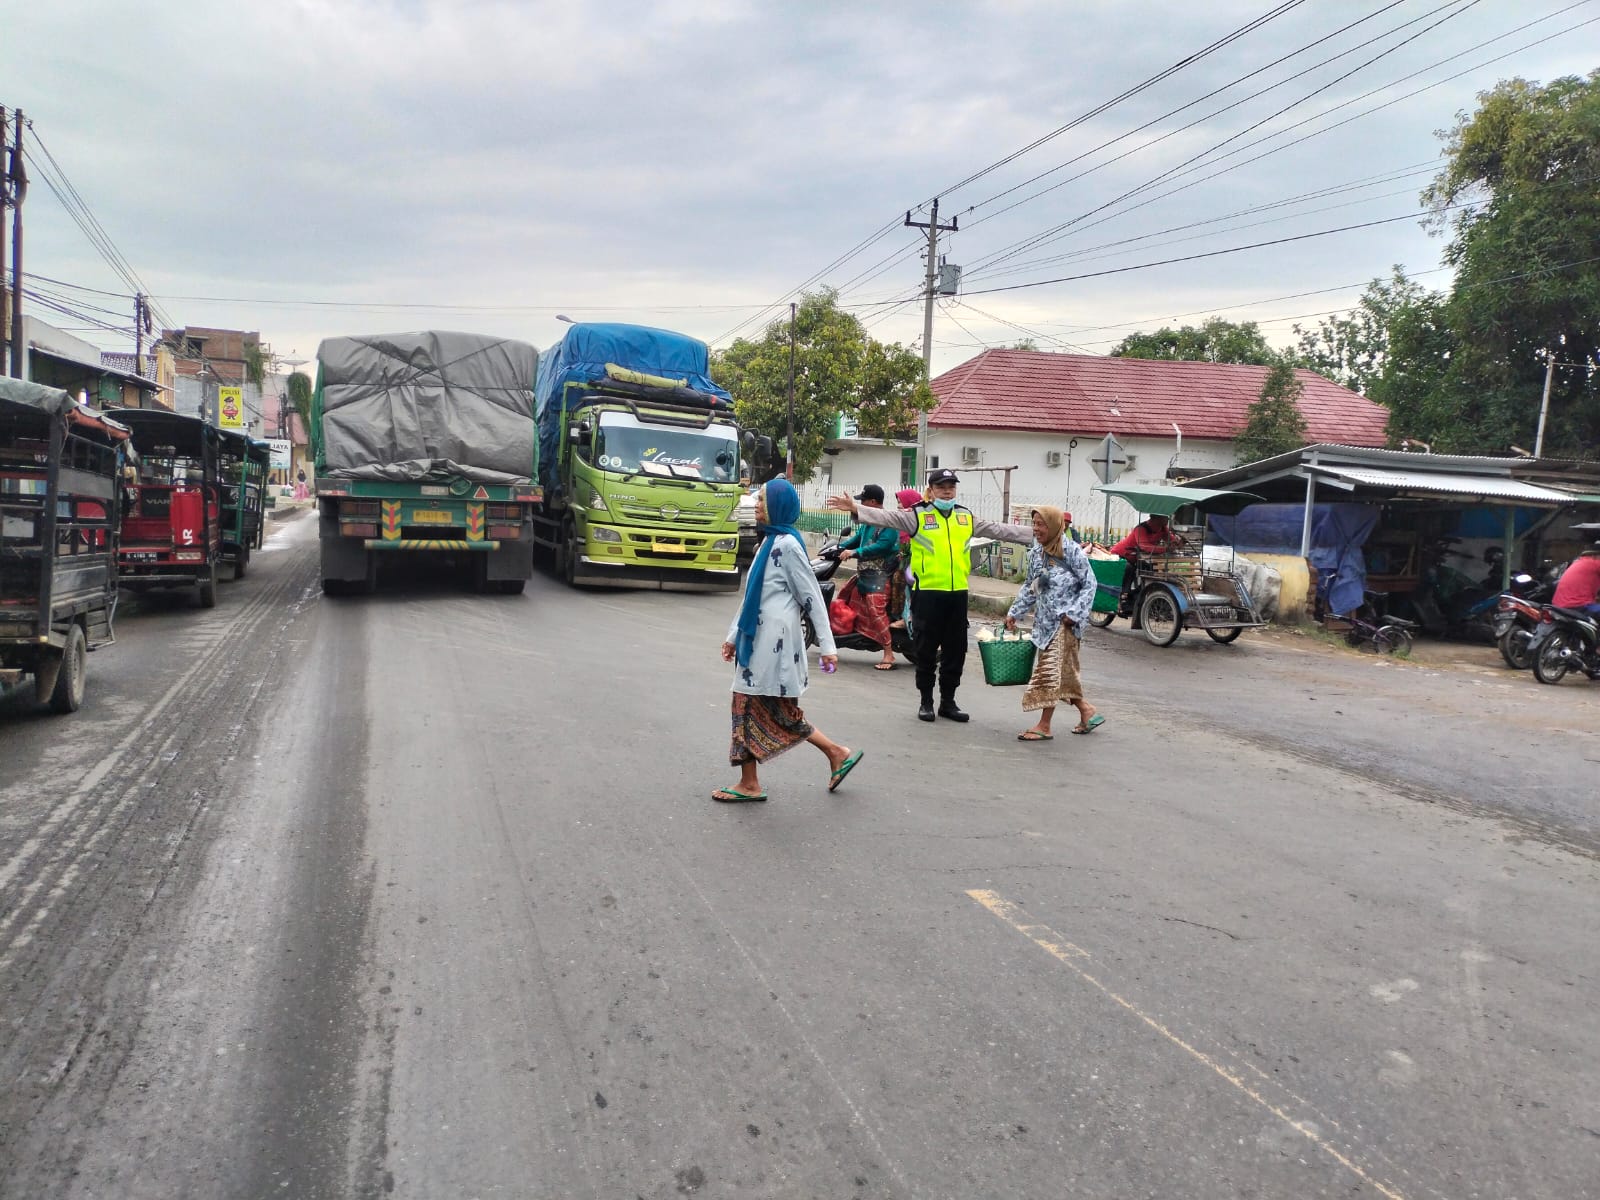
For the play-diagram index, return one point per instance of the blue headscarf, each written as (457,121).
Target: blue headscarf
(783,510)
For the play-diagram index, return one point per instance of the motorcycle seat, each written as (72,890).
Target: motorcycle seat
(1573,614)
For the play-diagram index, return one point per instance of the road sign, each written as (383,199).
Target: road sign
(1108,459)
(230,407)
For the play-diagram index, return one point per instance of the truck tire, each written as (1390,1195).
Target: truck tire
(241,562)
(208,588)
(569,552)
(510,587)
(67,696)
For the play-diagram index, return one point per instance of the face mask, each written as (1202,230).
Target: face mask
(944,506)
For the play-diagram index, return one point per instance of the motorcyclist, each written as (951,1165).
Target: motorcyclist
(877,550)
(1579,585)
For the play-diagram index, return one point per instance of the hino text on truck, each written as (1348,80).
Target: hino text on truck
(639,454)
(424,446)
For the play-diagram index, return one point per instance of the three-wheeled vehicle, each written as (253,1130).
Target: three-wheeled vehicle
(172,516)
(59,467)
(242,466)
(1165,594)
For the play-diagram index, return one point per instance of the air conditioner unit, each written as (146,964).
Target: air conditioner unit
(971,455)
(1052,458)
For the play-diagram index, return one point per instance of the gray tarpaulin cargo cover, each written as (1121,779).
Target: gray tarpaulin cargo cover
(399,406)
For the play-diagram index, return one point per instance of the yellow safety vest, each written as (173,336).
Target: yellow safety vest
(940,558)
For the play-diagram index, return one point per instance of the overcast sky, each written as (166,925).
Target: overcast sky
(312,168)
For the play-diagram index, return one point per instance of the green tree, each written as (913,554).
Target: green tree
(1274,424)
(1352,348)
(1519,202)
(837,369)
(255,363)
(299,391)
(1215,340)
(1024,344)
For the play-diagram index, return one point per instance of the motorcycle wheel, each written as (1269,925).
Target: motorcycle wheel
(1550,664)
(1101,619)
(1514,648)
(809,632)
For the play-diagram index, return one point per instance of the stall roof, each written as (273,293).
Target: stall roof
(1166,499)
(1488,486)
(1388,474)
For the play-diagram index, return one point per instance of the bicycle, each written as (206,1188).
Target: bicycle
(1386,635)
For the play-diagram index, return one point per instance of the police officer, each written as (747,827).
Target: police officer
(941,531)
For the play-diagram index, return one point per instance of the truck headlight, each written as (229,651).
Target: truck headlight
(724,545)
(604,533)
(597,502)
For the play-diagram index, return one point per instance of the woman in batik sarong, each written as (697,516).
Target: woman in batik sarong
(766,644)
(1059,591)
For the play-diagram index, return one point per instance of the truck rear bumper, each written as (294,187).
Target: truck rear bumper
(599,573)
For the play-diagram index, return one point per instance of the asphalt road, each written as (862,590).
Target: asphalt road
(421,894)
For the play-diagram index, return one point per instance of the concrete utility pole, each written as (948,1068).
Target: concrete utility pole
(1544,404)
(5,203)
(19,190)
(930,282)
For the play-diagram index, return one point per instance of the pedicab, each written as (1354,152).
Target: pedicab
(172,516)
(1164,594)
(242,468)
(59,467)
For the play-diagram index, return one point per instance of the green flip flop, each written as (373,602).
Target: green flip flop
(1094,723)
(735,796)
(845,768)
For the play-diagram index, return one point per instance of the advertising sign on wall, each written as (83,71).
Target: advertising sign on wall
(230,407)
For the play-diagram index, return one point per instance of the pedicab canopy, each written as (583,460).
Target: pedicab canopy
(53,402)
(1163,499)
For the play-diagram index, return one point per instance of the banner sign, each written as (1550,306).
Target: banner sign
(282,453)
(230,407)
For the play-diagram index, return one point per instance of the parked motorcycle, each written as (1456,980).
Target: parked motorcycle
(1572,645)
(825,565)
(1519,614)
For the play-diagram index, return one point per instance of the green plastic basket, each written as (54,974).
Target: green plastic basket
(1006,663)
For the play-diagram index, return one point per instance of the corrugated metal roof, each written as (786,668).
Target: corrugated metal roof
(1456,485)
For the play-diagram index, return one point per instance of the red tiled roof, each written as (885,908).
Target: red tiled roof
(1083,393)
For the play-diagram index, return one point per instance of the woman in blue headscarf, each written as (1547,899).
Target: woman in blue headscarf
(766,644)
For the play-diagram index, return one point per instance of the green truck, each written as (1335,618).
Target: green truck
(642,462)
(425,447)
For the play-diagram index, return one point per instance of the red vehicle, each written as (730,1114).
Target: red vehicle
(172,514)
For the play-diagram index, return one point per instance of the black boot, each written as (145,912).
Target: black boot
(949,710)
(925,712)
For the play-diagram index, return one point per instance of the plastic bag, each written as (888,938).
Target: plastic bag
(841,616)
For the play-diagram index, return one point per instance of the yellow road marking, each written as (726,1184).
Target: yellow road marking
(1065,952)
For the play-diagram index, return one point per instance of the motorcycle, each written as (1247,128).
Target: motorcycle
(1519,615)
(825,565)
(1572,645)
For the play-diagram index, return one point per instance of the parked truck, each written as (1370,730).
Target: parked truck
(425,446)
(60,468)
(640,457)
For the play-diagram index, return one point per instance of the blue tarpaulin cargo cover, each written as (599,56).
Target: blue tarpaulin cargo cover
(583,355)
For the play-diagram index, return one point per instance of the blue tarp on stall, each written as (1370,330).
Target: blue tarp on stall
(1338,533)
(582,356)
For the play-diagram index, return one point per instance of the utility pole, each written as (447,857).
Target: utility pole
(138,333)
(19,191)
(788,470)
(5,203)
(934,229)
(1544,404)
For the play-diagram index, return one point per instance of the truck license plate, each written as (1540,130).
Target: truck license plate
(431,516)
(667,548)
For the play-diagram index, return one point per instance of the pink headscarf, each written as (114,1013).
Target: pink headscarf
(906,498)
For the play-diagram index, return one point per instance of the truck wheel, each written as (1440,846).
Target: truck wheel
(208,588)
(569,552)
(240,563)
(68,693)
(510,587)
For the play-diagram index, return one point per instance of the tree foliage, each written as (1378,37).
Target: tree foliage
(299,391)
(1215,340)
(1274,424)
(1519,201)
(1353,348)
(837,369)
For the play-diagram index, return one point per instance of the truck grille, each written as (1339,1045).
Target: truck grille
(685,518)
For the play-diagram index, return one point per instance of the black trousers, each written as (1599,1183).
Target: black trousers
(939,637)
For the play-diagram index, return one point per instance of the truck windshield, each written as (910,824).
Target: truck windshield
(624,443)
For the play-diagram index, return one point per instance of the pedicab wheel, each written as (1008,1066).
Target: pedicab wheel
(241,563)
(1225,636)
(1101,619)
(1550,665)
(208,588)
(1158,614)
(67,695)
